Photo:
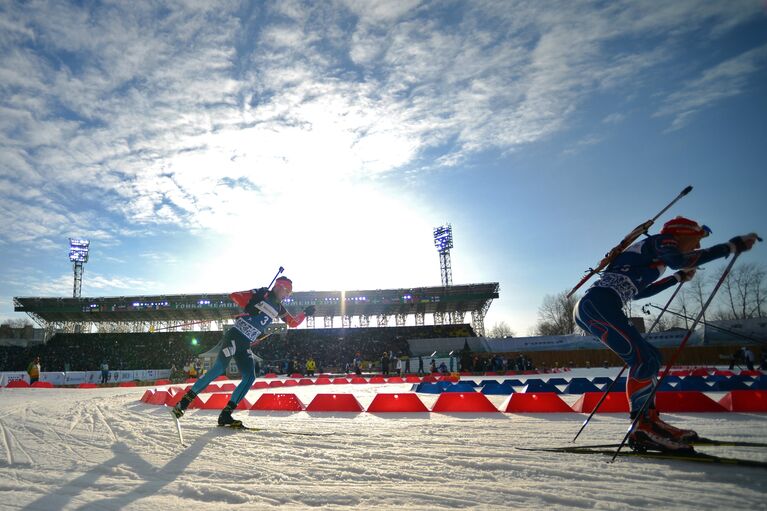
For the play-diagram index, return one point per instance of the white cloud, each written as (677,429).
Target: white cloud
(724,80)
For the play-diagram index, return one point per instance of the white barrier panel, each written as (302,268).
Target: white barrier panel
(53,378)
(9,376)
(76,377)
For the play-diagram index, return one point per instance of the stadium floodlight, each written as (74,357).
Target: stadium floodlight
(443,238)
(78,254)
(78,250)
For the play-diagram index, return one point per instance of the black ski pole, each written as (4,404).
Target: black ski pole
(671,362)
(612,383)
(275,276)
(624,244)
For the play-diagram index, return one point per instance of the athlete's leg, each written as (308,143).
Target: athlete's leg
(599,313)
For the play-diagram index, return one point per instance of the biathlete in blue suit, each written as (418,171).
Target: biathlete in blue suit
(261,307)
(633,275)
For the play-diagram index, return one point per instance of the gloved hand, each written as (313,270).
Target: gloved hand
(309,311)
(260,293)
(685,275)
(740,244)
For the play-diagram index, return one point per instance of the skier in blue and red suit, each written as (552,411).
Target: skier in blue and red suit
(630,276)
(261,306)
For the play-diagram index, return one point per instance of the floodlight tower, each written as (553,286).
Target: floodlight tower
(78,254)
(443,240)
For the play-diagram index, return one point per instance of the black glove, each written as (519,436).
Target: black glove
(309,311)
(740,244)
(260,293)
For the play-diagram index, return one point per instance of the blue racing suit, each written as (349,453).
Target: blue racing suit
(632,275)
(262,308)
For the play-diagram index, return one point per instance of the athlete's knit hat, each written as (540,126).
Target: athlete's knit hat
(684,226)
(284,283)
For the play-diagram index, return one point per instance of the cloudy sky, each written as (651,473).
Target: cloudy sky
(200,145)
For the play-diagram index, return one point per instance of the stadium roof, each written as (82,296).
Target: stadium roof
(213,307)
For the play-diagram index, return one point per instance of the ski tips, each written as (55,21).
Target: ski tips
(686,190)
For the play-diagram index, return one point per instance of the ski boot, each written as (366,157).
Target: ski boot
(226,419)
(648,436)
(178,410)
(682,435)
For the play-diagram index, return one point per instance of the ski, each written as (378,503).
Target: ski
(280,431)
(697,457)
(178,428)
(699,442)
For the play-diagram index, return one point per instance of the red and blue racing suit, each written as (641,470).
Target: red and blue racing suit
(633,275)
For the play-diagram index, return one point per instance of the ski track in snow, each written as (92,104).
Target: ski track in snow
(102,449)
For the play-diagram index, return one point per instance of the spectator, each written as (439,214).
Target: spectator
(33,370)
(311,365)
(433,367)
(104,372)
(399,367)
(442,367)
(749,358)
(420,364)
(407,365)
(385,364)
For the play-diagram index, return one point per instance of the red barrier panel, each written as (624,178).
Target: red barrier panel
(358,380)
(87,386)
(395,379)
(290,383)
(334,403)
(723,373)
(686,402)
(322,380)
(296,375)
(384,403)
(429,378)
(615,402)
(413,379)
(340,381)
(216,402)
(450,378)
(537,402)
(127,384)
(260,385)
(277,383)
(17,384)
(751,373)
(278,402)
(197,402)
(147,396)
(220,378)
(679,373)
(191,380)
(305,381)
(377,379)
(159,397)
(162,382)
(745,401)
(42,385)
(699,372)
(173,399)
(463,402)
(211,388)
(270,375)
(228,387)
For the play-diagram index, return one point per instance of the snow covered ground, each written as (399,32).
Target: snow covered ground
(102,449)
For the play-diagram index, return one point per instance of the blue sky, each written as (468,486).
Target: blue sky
(199,146)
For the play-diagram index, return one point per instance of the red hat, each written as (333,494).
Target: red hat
(284,283)
(684,226)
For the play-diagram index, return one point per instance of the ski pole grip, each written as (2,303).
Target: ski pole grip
(686,190)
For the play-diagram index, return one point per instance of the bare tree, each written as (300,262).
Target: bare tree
(500,329)
(743,293)
(555,315)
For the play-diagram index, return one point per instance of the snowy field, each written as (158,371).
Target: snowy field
(102,449)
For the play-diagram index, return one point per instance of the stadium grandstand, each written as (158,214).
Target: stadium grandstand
(135,332)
